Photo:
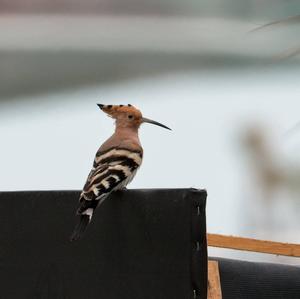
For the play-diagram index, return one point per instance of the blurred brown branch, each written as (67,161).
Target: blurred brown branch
(288,21)
(288,54)
(293,20)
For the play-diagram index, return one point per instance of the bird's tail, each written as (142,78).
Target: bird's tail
(80,227)
(85,213)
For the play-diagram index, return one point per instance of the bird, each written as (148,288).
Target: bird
(115,164)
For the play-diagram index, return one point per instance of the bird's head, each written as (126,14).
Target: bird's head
(127,116)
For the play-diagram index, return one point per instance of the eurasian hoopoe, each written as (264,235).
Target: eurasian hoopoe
(115,164)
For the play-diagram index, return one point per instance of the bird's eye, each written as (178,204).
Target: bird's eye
(130,116)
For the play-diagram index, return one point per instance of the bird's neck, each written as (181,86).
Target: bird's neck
(130,133)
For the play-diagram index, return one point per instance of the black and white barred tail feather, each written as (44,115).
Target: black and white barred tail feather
(112,170)
(85,213)
(80,227)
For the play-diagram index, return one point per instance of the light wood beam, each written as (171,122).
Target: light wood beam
(247,244)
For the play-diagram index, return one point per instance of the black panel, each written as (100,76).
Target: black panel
(142,244)
(248,280)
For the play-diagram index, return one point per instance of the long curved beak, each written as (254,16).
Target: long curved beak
(150,121)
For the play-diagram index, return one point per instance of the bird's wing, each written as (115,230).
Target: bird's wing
(112,170)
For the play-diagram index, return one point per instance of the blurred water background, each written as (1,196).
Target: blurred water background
(230,95)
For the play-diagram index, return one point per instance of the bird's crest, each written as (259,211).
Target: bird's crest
(127,116)
(116,110)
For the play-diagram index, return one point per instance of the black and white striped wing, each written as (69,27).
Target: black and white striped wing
(112,170)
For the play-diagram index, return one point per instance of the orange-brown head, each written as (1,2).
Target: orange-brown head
(127,116)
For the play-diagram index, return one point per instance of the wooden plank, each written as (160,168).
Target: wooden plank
(246,244)
(214,284)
